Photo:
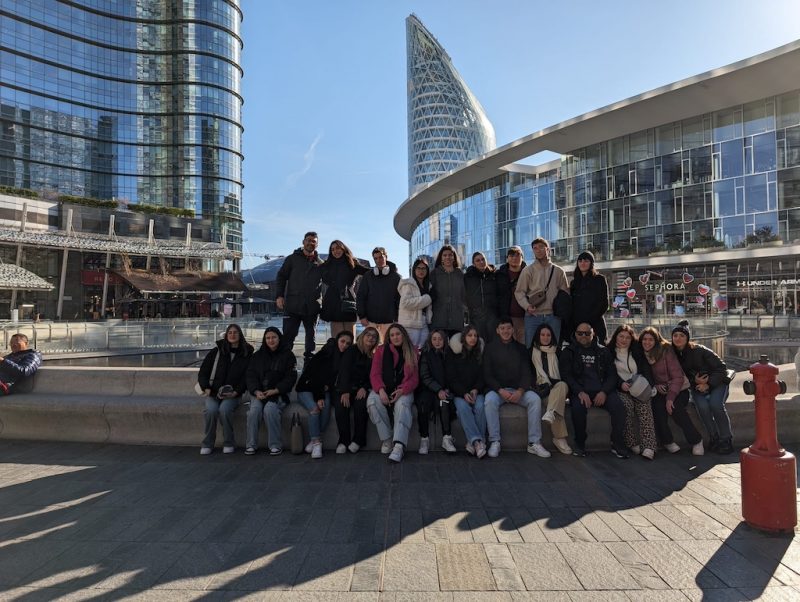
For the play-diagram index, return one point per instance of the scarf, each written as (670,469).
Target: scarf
(551,373)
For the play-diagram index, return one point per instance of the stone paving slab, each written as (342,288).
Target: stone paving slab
(106,522)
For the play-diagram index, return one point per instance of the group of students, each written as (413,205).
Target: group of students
(425,358)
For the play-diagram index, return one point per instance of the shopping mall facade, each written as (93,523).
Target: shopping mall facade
(688,195)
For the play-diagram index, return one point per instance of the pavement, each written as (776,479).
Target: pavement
(112,522)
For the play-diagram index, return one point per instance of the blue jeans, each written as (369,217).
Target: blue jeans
(222,409)
(317,419)
(711,407)
(271,411)
(472,417)
(533,322)
(529,400)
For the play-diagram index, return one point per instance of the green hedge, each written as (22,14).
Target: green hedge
(176,211)
(87,201)
(23,192)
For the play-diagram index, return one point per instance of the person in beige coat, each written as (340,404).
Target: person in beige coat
(537,287)
(415,303)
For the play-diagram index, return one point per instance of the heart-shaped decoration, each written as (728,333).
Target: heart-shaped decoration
(644,278)
(630,293)
(615,304)
(619,300)
(721,302)
(703,289)
(624,313)
(701,299)
(687,278)
(627,282)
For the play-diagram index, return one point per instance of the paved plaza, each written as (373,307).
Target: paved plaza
(110,522)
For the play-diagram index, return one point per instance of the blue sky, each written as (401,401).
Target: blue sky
(325,90)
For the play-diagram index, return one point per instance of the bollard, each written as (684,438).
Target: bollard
(769,472)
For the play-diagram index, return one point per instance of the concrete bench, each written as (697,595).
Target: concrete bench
(158,406)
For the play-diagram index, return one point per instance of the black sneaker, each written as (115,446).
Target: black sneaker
(619,453)
(580,452)
(724,447)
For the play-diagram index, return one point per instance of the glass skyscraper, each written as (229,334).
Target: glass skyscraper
(447,126)
(134,100)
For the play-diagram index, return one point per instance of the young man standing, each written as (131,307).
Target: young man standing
(299,286)
(537,287)
(508,378)
(378,299)
(507,278)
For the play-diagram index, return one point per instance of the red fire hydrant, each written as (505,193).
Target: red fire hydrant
(769,472)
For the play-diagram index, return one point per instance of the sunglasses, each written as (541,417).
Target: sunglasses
(583,333)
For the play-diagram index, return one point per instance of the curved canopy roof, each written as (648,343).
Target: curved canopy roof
(13,277)
(767,74)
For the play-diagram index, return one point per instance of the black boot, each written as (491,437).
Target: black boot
(724,447)
(713,443)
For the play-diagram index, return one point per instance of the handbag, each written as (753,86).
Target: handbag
(296,435)
(347,304)
(197,388)
(641,389)
(542,389)
(537,298)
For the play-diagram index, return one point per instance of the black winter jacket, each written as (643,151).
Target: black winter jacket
(432,370)
(506,365)
(320,371)
(505,290)
(354,371)
(228,372)
(462,374)
(571,367)
(299,283)
(378,298)
(339,279)
(589,302)
(19,365)
(699,359)
(272,370)
(482,292)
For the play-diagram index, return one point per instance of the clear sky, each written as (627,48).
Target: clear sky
(324,85)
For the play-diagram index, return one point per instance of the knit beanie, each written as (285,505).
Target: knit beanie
(586,255)
(683,327)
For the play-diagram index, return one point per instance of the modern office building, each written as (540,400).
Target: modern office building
(688,195)
(138,101)
(447,126)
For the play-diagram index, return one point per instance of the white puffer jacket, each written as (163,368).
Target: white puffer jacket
(415,308)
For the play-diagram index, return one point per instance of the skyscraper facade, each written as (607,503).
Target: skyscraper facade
(447,126)
(134,100)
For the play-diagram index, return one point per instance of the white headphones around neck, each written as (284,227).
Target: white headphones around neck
(384,271)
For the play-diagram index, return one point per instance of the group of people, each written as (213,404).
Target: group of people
(459,344)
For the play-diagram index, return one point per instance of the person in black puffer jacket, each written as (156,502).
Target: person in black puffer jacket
(352,388)
(589,292)
(507,276)
(464,378)
(432,394)
(316,387)
(270,377)
(21,364)
(339,274)
(222,378)
(481,293)
(378,298)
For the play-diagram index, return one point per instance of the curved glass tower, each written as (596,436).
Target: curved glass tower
(135,100)
(447,126)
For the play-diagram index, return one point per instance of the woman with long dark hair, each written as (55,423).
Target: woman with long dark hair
(415,302)
(352,388)
(630,363)
(339,273)
(464,378)
(394,377)
(316,387)
(432,394)
(589,292)
(222,379)
(481,294)
(271,375)
(672,397)
(447,282)
(549,386)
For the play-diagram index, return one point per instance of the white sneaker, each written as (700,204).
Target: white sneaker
(636,450)
(397,453)
(470,448)
(424,445)
(672,448)
(549,416)
(204,451)
(448,445)
(538,449)
(480,449)
(250,451)
(228,449)
(648,453)
(354,447)
(316,450)
(309,447)
(386,446)
(494,449)
(698,449)
(341,448)
(562,446)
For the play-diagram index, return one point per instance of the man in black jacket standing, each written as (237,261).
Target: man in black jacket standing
(588,369)
(299,285)
(378,299)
